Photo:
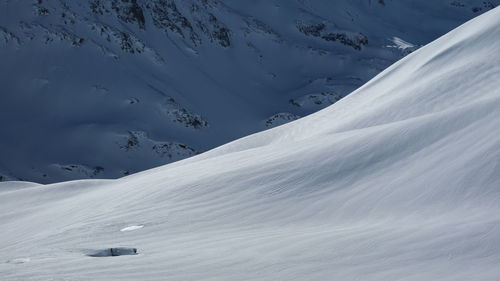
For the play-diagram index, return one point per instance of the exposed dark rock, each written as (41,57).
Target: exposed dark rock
(127,42)
(183,116)
(51,34)
(113,252)
(356,42)
(488,5)
(167,16)
(129,11)
(131,142)
(220,33)
(98,8)
(320,30)
(258,27)
(7,37)
(133,100)
(311,29)
(457,4)
(280,119)
(322,99)
(174,150)
(81,169)
(97,170)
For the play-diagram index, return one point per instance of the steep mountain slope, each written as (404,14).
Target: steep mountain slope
(101,89)
(398,181)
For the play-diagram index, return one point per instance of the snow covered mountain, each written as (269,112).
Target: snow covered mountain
(101,89)
(397,181)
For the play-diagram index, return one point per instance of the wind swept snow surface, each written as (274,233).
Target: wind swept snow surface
(398,181)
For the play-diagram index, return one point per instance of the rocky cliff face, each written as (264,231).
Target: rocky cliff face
(106,88)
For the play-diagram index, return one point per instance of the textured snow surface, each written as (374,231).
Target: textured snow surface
(398,181)
(107,88)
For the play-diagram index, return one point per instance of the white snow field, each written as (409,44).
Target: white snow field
(398,181)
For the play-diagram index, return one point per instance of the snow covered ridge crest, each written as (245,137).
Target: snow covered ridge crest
(403,186)
(78,76)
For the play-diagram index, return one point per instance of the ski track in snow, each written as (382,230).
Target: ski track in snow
(398,181)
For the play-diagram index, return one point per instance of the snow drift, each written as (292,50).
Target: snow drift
(398,181)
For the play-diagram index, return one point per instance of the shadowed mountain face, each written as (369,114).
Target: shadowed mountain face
(102,89)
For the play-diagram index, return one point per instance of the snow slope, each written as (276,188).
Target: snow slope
(103,89)
(398,181)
